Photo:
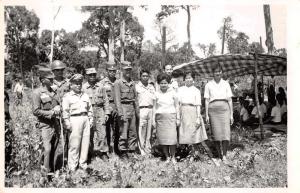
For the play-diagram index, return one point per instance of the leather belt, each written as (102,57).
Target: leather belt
(187,104)
(79,114)
(146,107)
(224,100)
(126,102)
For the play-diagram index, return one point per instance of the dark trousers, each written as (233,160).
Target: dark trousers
(128,132)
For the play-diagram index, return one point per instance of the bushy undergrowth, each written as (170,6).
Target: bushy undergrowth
(253,163)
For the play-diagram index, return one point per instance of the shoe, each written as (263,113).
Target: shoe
(104,157)
(168,160)
(225,161)
(173,159)
(215,161)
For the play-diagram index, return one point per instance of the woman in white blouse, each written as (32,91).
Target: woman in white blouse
(192,129)
(166,117)
(219,112)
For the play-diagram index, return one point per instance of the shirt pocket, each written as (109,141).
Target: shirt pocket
(46,101)
(125,92)
(99,98)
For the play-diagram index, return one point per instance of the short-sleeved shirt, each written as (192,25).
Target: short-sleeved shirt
(74,103)
(276,114)
(189,95)
(109,88)
(145,94)
(244,114)
(214,91)
(165,102)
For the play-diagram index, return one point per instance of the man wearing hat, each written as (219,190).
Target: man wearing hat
(46,108)
(127,105)
(112,122)
(60,83)
(61,86)
(77,118)
(100,104)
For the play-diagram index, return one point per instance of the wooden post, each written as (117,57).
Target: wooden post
(256,98)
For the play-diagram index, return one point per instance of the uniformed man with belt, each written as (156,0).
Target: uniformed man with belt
(78,118)
(112,122)
(100,103)
(61,86)
(46,108)
(127,107)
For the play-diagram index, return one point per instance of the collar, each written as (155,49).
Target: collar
(73,93)
(88,85)
(59,83)
(142,85)
(125,81)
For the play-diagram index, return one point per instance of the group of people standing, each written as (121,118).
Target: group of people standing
(97,118)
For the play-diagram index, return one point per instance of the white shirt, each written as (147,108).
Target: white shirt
(189,95)
(18,88)
(276,114)
(254,111)
(219,90)
(244,113)
(263,108)
(165,102)
(145,94)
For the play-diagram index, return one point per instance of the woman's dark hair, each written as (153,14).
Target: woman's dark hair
(163,76)
(280,99)
(190,73)
(217,68)
(177,73)
(144,71)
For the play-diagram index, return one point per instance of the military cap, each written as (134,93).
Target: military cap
(90,71)
(45,72)
(110,65)
(76,77)
(126,65)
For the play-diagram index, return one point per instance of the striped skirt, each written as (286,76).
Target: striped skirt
(219,116)
(166,128)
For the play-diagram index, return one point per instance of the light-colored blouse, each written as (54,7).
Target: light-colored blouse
(189,95)
(214,91)
(165,102)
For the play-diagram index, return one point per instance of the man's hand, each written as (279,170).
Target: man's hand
(57,110)
(67,125)
(231,120)
(121,117)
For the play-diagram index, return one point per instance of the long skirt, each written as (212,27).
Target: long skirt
(219,116)
(189,131)
(166,128)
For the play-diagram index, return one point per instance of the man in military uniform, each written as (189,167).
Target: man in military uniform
(61,86)
(112,122)
(100,104)
(78,119)
(127,105)
(46,108)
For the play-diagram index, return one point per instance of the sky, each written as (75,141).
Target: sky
(205,22)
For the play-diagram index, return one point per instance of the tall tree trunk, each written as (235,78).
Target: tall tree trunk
(223,38)
(122,34)
(111,43)
(163,61)
(189,32)
(269,31)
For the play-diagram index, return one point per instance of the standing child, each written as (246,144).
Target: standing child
(78,118)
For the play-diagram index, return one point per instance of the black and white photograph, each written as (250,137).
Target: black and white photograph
(145,95)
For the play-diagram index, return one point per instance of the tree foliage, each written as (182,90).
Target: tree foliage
(21,37)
